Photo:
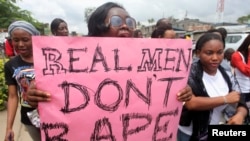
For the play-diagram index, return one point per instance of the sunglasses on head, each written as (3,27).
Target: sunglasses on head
(117,21)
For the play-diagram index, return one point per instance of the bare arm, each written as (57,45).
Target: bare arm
(239,116)
(206,103)
(238,62)
(12,109)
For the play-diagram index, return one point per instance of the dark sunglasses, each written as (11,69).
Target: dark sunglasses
(117,21)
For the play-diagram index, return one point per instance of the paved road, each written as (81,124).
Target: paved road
(20,133)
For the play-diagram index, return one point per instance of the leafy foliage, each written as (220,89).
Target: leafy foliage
(151,20)
(88,11)
(9,12)
(3,87)
(244,19)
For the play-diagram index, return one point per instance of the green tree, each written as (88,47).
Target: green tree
(244,19)
(88,11)
(9,12)
(138,23)
(151,20)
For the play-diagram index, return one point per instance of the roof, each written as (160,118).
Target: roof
(236,28)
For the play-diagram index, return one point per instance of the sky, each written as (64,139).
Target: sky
(72,11)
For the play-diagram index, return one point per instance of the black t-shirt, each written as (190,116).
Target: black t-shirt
(20,73)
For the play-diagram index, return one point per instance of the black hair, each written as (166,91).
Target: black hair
(205,38)
(163,22)
(136,33)
(228,53)
(243,48)
(159,32)
(55,24)
(223,36)
(223,31)
(96,22)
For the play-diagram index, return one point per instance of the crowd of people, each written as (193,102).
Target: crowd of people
(213,91)
(209,91)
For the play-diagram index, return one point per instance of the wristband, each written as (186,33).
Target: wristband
(225,100)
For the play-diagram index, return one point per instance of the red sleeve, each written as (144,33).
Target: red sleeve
(237,62)
(8,49)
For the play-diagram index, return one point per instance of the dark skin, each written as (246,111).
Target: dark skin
(122,31)
(62,30)
(34,95)
(211,55)
(22,42)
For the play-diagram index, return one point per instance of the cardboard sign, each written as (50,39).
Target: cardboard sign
(117,89)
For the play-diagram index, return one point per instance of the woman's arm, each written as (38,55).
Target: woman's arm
(206,103)
(238,63)
(12,108)
(239,116)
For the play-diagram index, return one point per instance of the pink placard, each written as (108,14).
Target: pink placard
(117,89)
